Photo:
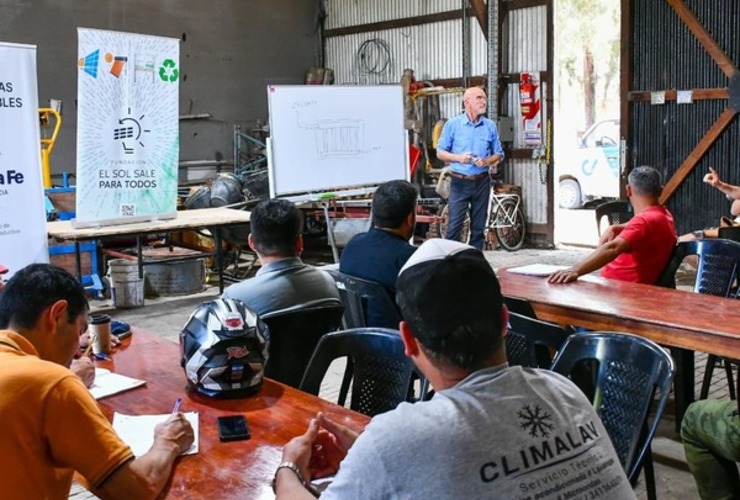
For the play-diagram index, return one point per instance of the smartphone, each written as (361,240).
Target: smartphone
(233,428)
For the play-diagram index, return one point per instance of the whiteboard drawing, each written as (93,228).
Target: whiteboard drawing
(334,138)
(339,138)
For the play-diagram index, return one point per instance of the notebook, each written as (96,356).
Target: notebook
(108,383)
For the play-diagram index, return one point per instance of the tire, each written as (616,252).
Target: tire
(442,226)
(511,238)
(569,194)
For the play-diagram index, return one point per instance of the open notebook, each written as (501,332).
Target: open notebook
(137,431)
(536,269)
(108,383)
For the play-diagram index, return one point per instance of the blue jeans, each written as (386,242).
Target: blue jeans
(468,196)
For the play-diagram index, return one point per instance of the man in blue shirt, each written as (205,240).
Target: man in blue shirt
(471,145)
(380,253)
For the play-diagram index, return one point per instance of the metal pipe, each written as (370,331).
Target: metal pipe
(493,58)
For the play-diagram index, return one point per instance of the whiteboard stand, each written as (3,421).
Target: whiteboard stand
(330,233)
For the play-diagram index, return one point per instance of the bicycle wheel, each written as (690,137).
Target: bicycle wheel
(442,226)
(511,226)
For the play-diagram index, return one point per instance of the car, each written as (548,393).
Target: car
(593,170)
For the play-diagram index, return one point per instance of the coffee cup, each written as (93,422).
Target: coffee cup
(99,328)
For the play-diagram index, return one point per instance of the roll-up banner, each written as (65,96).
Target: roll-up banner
(22,214)
(127,127)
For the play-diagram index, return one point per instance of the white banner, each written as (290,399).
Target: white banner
(127,127)
(22,213)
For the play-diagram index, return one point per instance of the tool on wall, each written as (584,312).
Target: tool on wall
(49,118)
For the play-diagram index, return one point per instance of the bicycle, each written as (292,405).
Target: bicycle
(505,218)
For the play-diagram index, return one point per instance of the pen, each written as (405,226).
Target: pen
(176,408)
(86,353)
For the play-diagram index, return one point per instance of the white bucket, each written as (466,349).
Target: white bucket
(126,288)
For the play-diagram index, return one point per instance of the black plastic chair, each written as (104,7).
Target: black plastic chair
(381,372)
(618,212)
(366,303)
(520,306)
(531,342)
(626,372)
(294,334)
(717,274)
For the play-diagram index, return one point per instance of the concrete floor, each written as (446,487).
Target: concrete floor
(165,316)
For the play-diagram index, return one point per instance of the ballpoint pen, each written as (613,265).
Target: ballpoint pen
(176,408)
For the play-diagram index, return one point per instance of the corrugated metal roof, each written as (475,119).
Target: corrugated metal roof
(432,50)
(343,13)
(526,48)
(527,173)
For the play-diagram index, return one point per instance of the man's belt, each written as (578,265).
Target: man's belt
(468,177)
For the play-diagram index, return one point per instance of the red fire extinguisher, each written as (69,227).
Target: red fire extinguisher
(526,96)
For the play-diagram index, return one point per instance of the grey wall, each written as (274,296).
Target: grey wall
(230,50)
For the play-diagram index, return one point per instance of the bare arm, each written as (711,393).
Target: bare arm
(735,208)
(599,258)
(146,476)
(712,178)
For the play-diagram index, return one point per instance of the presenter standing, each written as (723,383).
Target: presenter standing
(470,143)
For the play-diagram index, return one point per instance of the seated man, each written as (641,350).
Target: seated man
(380,253)
(52,426)
(638,250)
(490,431)
(283,280)
(711,439)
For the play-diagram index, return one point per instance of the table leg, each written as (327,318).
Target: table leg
(219,258)
(683,383)
(139,257)
(78,261)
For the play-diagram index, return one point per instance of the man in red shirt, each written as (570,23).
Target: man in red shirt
(638,250)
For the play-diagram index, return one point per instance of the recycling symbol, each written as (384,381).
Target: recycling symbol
(168,72)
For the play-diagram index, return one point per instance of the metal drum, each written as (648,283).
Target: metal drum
(226,190)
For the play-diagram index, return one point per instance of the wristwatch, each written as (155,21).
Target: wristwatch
(292,466)
(699,234)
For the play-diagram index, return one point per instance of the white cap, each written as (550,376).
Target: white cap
(434,249)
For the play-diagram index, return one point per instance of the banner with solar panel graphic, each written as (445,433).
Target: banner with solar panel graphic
(127,127)
(22,216)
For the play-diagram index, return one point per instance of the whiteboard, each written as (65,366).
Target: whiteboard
(332,137)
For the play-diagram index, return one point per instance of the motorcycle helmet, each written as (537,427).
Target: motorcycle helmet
(224,347)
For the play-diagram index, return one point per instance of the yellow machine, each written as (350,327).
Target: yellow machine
(47,143)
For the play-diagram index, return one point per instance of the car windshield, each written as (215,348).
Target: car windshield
(603,135)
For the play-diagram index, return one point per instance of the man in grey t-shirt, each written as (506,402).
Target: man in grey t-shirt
(284,280)
(491,431)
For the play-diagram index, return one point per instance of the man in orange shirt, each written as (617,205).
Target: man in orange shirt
(52,426)
(638,250)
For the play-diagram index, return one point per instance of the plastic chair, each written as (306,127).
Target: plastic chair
(366,303)
(381,372)
(531,342)
(618,212)
(520,306)
(294,334)
(628,372)
(717,274)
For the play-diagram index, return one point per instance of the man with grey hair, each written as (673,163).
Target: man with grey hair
(638,250)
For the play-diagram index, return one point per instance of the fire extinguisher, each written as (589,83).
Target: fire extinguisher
(526,96)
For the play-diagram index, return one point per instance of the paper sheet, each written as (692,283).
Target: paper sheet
(536,269)
(108,383)
(138,431)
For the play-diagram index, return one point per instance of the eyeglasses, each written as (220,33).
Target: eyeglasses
(481,98)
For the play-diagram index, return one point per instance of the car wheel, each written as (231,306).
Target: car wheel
(570,194)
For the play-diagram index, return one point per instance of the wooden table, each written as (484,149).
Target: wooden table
(211,218)
(239,469)
(684,321)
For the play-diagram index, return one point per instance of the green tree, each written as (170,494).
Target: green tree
(587,41)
